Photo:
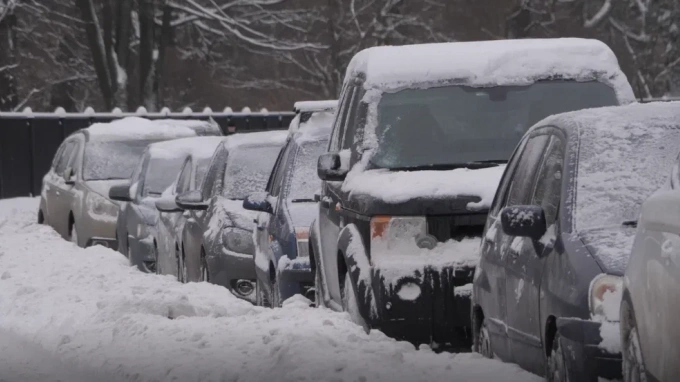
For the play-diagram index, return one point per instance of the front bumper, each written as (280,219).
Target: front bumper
(584,358)
(439,314)
(227,268)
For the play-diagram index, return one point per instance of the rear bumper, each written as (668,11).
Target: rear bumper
(296,278)
(432,307)
(585,359)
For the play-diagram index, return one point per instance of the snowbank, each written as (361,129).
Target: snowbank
(88,307)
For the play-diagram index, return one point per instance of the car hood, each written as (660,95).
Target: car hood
(230,213)
(302,214)
(426,192)
(102,187)
(610,247)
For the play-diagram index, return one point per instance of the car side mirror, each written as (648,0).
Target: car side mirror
(69,176)
(524,221)
(120,193)
(329,167)
(167,204)
(191,200)
(258,202)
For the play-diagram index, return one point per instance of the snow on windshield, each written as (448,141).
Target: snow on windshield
(304,180)
(625,155)
(140,128)
(160,174)
(104,160)
(461,124)
(248,170)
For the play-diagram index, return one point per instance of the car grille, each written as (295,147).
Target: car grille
(445,228)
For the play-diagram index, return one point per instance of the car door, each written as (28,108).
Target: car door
(525,257)
(330,219)
(61,206)
(49,183)
(70,195)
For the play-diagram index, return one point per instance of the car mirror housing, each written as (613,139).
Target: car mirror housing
(524,221)
(191,200)
(120,193)
(329,167)
(258,202)
(167,204)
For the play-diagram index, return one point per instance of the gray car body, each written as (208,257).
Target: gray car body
(526,299)
(203,252)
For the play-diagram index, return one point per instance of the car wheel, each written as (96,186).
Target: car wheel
(157,267)
(41,217)
(205,274)
(557,371)
(275,295)
(318,292)
(482,341)
(178,259)
(350,303)
(633,365)
(185,271)
(74,234)
(260,295)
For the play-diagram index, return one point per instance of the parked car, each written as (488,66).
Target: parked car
(138,220)
(559,233)
(217,240)
(416,154)
(288,207)
(650,340)
(75,194)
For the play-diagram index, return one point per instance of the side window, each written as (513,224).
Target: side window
(73,161)
(279,175)
(184,180)
(506,180)
(521,182)
(57,155)
(339,127)
(213,177)
(548,188)
(65,158)
(270,181)
(352,120)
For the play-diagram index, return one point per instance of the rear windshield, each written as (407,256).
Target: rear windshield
(160,174)
(459,124)
(248,170)
(112,159)
(305,182)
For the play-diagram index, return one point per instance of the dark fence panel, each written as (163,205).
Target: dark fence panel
(29,141)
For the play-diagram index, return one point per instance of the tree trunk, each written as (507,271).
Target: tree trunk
(146,54)
(164,43)
(98,51)
(8,63)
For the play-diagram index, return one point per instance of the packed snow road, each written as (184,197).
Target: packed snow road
(66,312)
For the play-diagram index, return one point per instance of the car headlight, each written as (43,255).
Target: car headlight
(302,241)
(407,233)
(100,205)
(605,296)
(238,240)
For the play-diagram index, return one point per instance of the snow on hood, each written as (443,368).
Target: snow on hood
(230,213)
(610,247)
(142,129)
(401,186)
(302,106)
(197,147)
(102,187)
(490,63)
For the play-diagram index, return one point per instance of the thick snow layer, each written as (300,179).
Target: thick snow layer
(197,147)
(490,63)
(303,106)
(400,186)
(317,127)
(264,138)
(89,307)
(140,128)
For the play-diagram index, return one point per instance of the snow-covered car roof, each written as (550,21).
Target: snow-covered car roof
(489,63)
(197,147)
(264,138)
(302,106)
(135,128)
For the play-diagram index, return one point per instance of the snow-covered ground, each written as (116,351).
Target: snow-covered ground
(68,314)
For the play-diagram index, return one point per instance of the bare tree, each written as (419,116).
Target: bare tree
(8,64)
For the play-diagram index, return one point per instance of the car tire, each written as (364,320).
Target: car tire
(260,295)
(350,303)
(41,217)
(318,291)
(184,270)
(155,255)
(204,271)
(557,370)
(73,233)
(178,259)
(633,364)
(482,341)
(275,295)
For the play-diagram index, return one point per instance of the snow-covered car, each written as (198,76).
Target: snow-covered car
(75,193)
(418,148)
(138,219)
(650,339)
(548,287)
(217,240)
(287,208)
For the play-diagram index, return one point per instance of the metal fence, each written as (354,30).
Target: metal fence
(28,141)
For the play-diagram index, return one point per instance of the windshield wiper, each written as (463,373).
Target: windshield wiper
(630,223)
(471,165)
(302,201)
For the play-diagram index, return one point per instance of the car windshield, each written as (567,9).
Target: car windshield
(618,170)
(112,159)
(304,180)
(160,174)
(459,125)
(248,170)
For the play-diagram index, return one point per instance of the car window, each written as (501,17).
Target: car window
(351,121)
(57,156)
(277,164)
(506,180)
(65,158)
(548,189)
(339,128)
(247,170)
(301,179)
(522,180)
(278,176)
(184,180)
(212,182)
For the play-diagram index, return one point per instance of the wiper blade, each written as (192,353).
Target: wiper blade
(630,223)
(303,201)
